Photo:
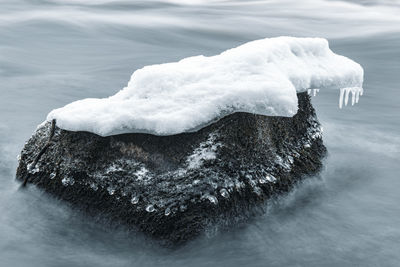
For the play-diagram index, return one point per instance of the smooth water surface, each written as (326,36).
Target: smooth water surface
(53,52)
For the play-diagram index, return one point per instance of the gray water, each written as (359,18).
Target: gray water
(53,52)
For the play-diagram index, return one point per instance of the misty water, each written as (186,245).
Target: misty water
(53,52)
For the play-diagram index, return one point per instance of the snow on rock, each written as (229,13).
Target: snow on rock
(206,151)
(260,77)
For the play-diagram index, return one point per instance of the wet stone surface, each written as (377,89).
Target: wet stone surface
(174,187)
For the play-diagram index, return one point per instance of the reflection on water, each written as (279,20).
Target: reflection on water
(56,51)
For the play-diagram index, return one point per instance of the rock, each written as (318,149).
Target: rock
(174,187)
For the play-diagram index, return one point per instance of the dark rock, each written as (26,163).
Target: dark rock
(174,187)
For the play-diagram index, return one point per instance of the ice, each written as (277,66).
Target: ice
(270,178)
(94,186)
(142,173)
(356,92)
(183,208)
(32,168)
(135,200)
(258,190)
(111,190)
(68,181)
(313,92)
(260,77)
(210,198)
(167,212)
(224,193)
(150,208)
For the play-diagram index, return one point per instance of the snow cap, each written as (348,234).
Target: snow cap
(260,77)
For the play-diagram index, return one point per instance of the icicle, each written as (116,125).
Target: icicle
(357,96)
(346,97)
(341,97)
(309,91)
(356,92)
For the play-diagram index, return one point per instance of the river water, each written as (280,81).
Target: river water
(53,52)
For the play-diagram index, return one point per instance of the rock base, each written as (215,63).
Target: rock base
(173,187)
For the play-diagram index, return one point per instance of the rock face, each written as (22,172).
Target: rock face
(174,187)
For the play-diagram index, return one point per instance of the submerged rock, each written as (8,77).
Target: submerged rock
(174,187)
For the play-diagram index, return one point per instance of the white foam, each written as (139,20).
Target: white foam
(259,77)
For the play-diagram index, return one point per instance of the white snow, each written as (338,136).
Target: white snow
(205,151)
(259,77)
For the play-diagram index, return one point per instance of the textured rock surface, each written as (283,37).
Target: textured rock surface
(174,187)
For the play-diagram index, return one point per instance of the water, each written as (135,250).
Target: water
(55,51)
